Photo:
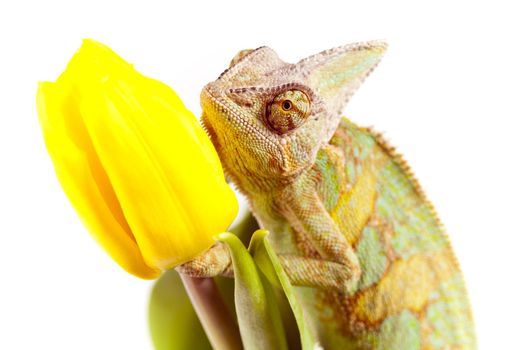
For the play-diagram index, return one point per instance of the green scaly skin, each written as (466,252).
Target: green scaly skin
(352,228)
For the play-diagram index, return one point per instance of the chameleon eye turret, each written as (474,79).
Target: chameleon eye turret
(287,111)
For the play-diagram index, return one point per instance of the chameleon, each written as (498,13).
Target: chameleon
(354,231)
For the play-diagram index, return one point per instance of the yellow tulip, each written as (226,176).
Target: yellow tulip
(134,162)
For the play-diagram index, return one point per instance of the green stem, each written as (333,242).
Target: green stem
(220,327)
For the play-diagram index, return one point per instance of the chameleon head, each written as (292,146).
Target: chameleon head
(268,118)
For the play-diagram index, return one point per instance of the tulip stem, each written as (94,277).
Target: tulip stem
(219,325)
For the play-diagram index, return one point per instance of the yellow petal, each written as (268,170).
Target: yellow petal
(83,179)
(134,161)
(165,174)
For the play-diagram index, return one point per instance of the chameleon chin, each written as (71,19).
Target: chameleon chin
(353,229)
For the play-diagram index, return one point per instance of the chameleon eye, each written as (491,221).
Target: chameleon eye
(287,111)
(287,105)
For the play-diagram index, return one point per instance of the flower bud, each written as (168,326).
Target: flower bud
(134,162)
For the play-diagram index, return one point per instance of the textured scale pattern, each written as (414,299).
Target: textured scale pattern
(351,226)
(411,294)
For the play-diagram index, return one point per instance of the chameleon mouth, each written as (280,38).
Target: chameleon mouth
(220,114)
(208,128)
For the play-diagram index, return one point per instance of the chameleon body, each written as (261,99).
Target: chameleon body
(350,224)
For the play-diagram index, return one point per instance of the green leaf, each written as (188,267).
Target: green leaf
(172,321)
(257,312)
(244,230)
(268,261)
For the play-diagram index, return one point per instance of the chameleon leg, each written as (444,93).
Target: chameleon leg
(302,271)
(338,266)
(317,273)
(214,262)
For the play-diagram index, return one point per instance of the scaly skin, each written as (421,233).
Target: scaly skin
(347,219)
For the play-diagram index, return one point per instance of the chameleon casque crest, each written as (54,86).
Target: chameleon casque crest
(354,231)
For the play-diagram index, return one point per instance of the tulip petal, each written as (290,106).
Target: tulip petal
(83,179)
(146,165)
(173,207)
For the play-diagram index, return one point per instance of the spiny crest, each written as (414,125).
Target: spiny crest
(400,161)
(407,170)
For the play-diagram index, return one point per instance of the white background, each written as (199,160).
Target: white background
(448,94)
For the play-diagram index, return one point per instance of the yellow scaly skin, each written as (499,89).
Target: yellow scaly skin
(351,226)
